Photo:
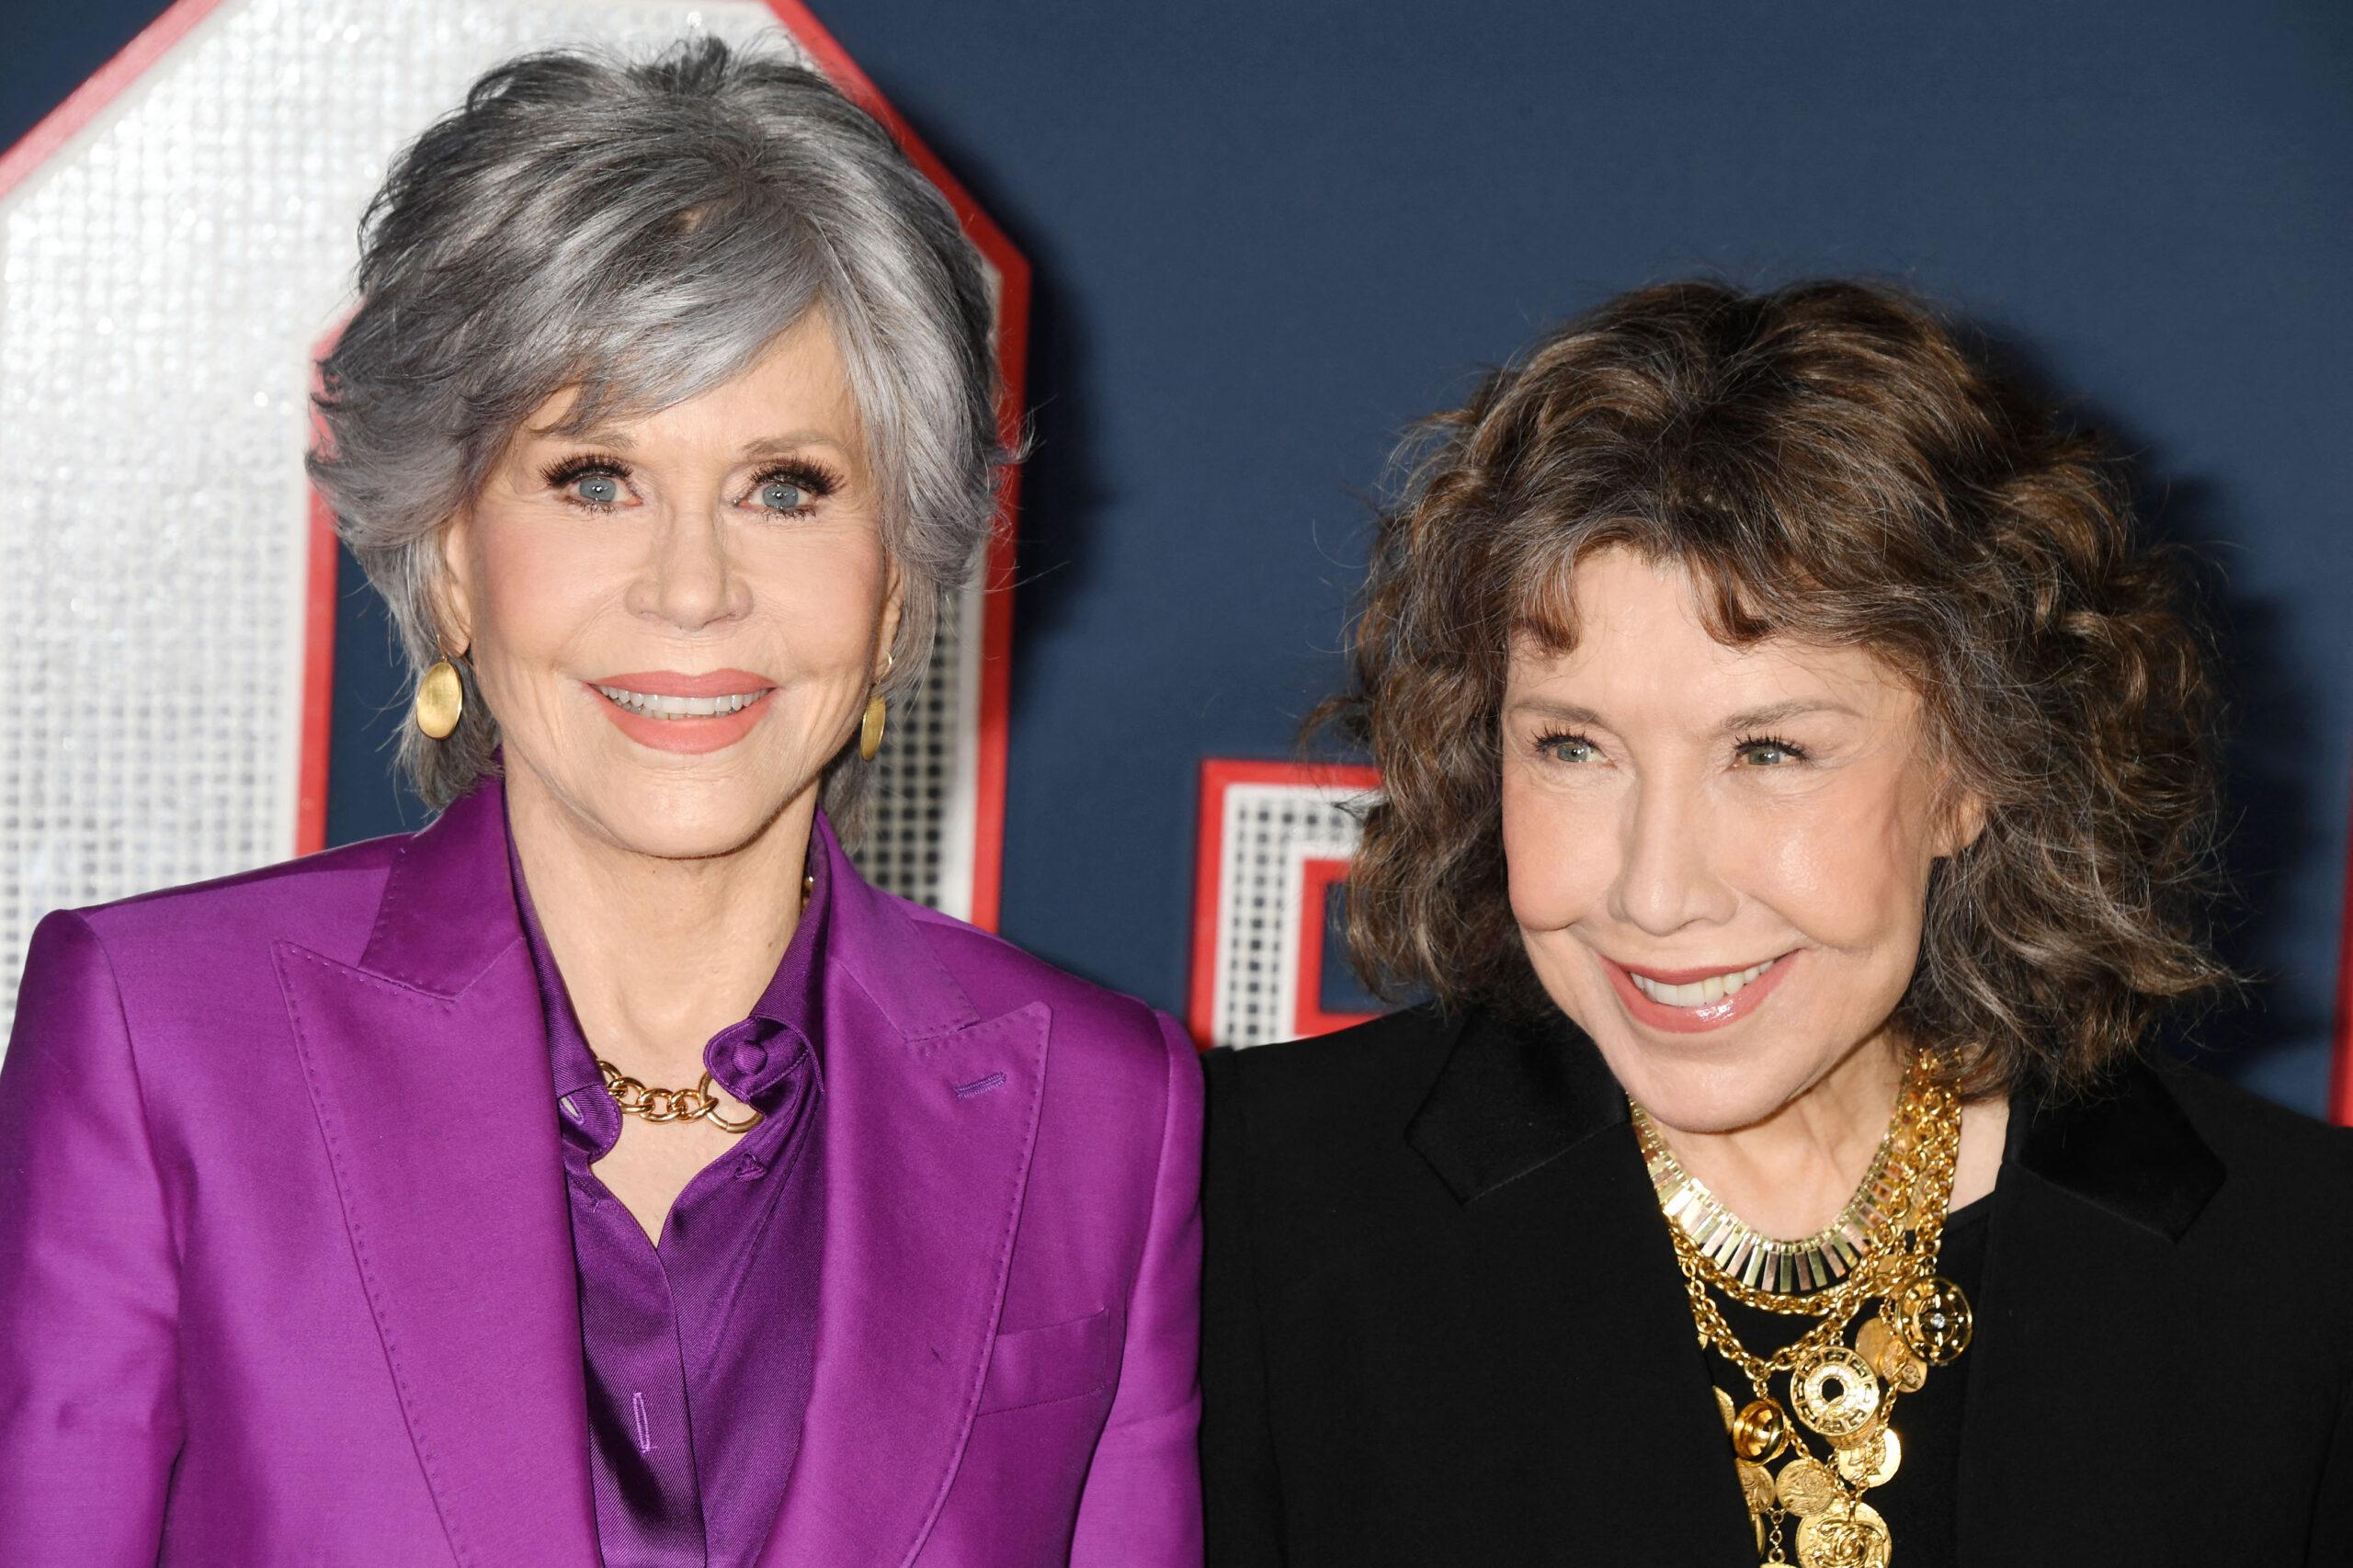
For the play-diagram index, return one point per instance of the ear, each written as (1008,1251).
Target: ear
(1964,820)
(453,596)
(894,601)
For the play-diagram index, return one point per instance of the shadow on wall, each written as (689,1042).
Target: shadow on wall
(2269,798)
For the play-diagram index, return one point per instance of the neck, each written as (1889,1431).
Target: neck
(658,954)
(1790,1174)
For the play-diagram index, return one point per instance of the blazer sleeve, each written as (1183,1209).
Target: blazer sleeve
(1241,1495)
(1142,1505)
(90,1417)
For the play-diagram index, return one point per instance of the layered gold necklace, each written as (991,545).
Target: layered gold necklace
(1881,1251)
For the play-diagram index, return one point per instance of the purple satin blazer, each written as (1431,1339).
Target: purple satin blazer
(286,1275)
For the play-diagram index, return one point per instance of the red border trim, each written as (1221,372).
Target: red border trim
(1220,774)
(1308,1017)
(2340,1084)
(318,682)
(1013,364)
(84,104)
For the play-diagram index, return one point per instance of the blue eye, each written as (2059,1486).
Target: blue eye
(1568,748)
(783,495)
(597,489)
(1764,752)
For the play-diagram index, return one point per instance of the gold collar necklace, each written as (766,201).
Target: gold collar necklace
(1845,1394)
(1756,1260)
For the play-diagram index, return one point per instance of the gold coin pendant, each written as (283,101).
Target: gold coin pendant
(1849,1536)
(1935,1317)
(1835,1393)
(1874,1460)
(1756,1485)
(1806,1487)
(1897,1364)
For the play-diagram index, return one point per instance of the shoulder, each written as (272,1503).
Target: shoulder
(325,901)
(1371,1074)
(1093,1021)
(1311,1135)
(2263,1144)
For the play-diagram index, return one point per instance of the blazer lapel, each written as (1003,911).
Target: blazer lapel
(1576,1287)
(931,1118)
(2093,1198)
(428,1073)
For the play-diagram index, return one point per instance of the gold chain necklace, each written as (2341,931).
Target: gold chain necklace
(1846,1395)
(698,1104)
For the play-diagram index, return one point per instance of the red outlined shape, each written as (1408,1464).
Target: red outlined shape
(1013,365)
(1320,875)
(2340,1078)
(1220,774)
(81,107)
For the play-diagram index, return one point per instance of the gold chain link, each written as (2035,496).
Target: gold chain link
(698,1104)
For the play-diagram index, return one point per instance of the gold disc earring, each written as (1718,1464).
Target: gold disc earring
(440,701)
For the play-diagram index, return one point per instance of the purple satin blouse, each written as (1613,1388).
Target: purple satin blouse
(698,1352)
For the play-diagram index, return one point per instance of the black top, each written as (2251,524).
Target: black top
(1442,1323)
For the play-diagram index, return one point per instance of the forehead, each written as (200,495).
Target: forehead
(797,384)
(1644,645)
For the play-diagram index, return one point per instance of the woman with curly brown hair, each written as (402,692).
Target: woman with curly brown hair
(1799,804)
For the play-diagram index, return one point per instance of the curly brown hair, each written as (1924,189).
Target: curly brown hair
(1829,464)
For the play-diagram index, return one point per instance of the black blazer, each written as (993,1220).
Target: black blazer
(1444,1326)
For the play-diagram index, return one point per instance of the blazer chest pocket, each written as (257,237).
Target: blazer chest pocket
(1057,1360)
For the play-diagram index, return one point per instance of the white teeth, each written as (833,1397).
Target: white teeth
(654,707)
(1715,988)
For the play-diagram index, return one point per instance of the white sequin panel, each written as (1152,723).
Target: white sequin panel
(161,280)
(1270,831)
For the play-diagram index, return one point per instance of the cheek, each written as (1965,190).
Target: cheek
(1848,873)
(536,586)
(820,599)
(1554,871)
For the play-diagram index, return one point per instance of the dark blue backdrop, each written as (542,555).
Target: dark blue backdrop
(1266,236)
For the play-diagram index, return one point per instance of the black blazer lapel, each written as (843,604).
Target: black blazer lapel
(1574,1304)
(2079,1314)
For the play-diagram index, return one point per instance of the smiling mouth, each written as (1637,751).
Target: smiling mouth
(1698,994)
(654,705)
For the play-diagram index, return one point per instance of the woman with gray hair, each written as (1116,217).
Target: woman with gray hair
(607,1172)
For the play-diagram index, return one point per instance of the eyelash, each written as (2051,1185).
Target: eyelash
(1544,743)
(1797,752)
(817,480)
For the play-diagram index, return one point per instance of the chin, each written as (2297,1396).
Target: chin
(685,814)
(1705,1098)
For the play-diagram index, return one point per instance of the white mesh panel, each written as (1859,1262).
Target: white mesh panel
(1270,831)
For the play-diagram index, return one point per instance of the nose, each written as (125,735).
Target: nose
(689,581)
(1667,873)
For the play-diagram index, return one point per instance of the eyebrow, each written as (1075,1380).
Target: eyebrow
(767,447)
(1748,719)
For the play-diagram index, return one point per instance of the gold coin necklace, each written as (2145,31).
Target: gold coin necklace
(1880,1252)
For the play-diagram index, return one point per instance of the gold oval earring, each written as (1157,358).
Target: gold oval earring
(440,701)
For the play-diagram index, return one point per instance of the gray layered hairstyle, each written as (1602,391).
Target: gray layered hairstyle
(641,231)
